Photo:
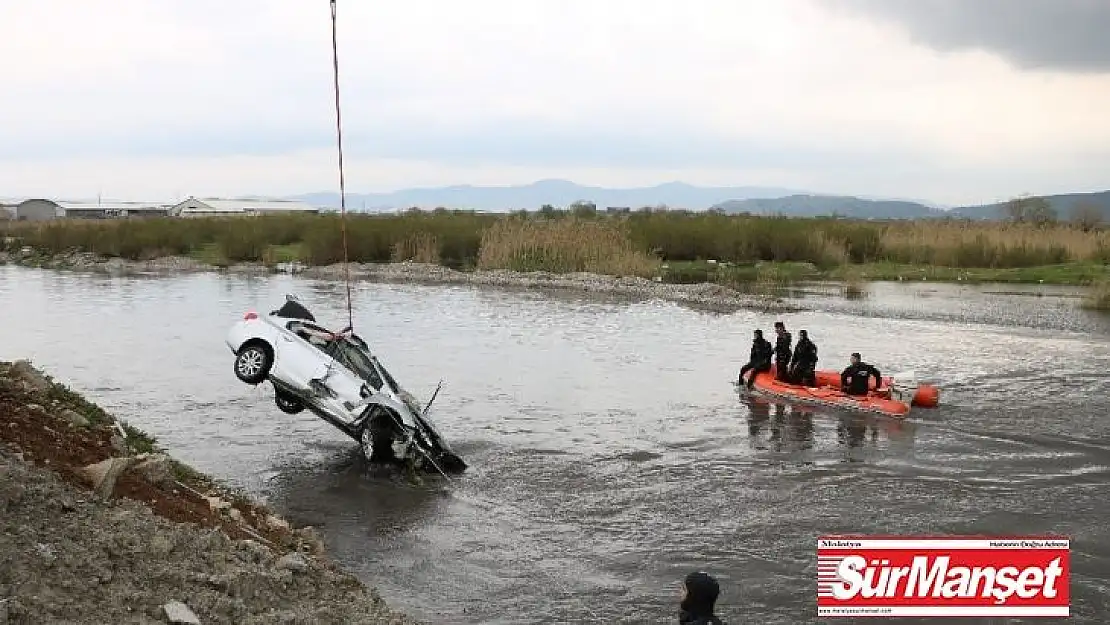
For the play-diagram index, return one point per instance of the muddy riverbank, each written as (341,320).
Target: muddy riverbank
(704,295)
(97,525)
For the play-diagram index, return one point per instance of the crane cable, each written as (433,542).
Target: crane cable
(342,181)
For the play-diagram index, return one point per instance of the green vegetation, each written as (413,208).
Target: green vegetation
(76,402)
(137,440)
(676,246)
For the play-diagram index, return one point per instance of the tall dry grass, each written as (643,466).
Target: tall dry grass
(1098,297)
(564,246)
(830,251)
(420,247)
(853,284)
(1001,245)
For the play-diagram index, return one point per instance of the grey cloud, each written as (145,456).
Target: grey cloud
(1069,35)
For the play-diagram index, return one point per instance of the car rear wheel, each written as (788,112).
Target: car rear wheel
(252,364)
(287,403)
(376,438)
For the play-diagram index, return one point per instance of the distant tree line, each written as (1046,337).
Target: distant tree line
(1039,211)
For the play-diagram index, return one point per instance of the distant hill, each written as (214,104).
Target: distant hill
(679,195)
(1065,205)
(558,193)
(823,205)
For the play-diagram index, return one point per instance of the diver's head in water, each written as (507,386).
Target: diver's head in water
(699,594)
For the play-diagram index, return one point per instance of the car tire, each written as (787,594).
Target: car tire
(252,363)
(287,403)
(376,438)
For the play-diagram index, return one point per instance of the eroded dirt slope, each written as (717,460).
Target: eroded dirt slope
(98,526)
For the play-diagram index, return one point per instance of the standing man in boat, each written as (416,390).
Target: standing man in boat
(782,352)
(759,360)
(853,380)
(803,365)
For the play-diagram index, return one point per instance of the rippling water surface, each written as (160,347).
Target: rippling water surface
(610,454)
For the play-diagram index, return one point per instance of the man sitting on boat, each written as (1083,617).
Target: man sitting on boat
(782,352)
(759,360)
(854,379)
(803,365)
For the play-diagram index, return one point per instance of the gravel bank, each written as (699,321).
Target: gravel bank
(98,526)
(705,295)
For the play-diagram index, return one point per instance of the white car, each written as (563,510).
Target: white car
(337,377)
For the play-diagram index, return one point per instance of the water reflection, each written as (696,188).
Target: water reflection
(800,426)
(796,430)
(851,431)
(790,429)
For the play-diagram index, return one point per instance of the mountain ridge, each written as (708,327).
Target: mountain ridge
(756,200)
(555,192)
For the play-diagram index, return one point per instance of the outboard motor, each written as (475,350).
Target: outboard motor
(920,394)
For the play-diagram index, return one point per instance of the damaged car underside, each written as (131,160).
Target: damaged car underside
(339,379)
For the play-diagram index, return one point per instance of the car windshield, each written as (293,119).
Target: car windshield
(358,362)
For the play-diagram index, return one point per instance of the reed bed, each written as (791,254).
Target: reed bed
(853,283)
(631,244)
(564,246)
(1098,298)
(421,247)
(1001,245)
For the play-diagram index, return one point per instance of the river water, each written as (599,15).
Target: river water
(610,454)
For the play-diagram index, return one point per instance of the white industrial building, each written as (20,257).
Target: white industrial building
(215,207)
(106,210)
(39,209)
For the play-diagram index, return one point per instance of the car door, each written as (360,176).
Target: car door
(297,361)
(357,372)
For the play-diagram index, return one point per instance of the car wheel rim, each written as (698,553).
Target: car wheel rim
(367,443)
(250,363)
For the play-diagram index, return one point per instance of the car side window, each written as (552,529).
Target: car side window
(357,362)
(315,335)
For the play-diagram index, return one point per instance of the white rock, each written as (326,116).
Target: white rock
(102,476)
(276,523)
(293,561)
(179,613)
(74,418)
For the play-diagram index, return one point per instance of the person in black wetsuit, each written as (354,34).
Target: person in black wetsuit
(760,359)
(803,365)
(853,380)
(782,352)
(699,598)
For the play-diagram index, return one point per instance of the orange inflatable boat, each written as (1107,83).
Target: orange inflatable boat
(891,399)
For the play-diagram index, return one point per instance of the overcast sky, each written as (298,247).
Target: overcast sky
(954,101)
